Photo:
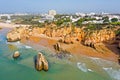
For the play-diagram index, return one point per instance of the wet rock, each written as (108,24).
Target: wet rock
(62,55)
(57,47)
(41,63)
(16,54)
(45,63)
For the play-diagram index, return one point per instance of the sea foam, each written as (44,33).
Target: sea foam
(28,47)
(82,67)
(114,73)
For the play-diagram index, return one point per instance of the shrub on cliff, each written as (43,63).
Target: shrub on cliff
(115,23)
(117,32)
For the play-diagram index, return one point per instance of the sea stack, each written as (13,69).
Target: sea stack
(57,46)
(41,63)
(16,54)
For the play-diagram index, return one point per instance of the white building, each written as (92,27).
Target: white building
(113,16)
(52,12)
(46,17)
(91,14)
(81,14)
(74,19)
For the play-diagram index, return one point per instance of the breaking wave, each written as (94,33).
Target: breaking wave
(82,67)
(28,47)
(114,73)
(19,45)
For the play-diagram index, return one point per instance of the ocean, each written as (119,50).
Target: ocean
(67,67)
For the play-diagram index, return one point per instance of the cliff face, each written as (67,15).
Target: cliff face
(68,35)
(72,36)
(105,35)
(15,34)
(23,33)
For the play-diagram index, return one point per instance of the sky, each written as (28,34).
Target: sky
(61,6)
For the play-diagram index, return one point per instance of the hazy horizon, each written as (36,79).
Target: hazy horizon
(61,6)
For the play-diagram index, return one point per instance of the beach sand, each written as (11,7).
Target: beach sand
(11,25)
(102,50)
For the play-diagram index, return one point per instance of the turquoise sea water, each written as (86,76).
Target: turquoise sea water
(71,67)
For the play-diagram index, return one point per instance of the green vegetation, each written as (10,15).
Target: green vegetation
(91,27)
(61,21)
(115,23)
(89,19)
(27,19)
(106,19)
(117,32)
(114,20)
(79,22)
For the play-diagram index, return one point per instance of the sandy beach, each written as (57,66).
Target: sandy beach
(96,60)
(72,48)
(10,25)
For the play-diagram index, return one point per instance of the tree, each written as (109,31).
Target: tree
(59,22)
(114,20)
(117,32)
(91,27)
(79,22)
(105,19)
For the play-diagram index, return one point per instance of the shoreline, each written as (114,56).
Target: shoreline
(75,49)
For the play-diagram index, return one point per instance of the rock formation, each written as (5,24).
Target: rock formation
(13,36)
(57,47)
(105,35)
(16,54)
(41,63)
(67,35)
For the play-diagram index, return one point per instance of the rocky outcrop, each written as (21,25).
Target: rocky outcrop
(16,34)
(13,36)
(57,47)
(67,35)
(105,35)
(16,54)
(21,33)
(41,63)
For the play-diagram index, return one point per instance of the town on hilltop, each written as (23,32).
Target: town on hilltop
(61,19)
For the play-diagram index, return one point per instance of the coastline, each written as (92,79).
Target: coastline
(75,49)
(75,63)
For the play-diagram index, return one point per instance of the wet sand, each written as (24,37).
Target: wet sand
(78,49)
(101,52)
